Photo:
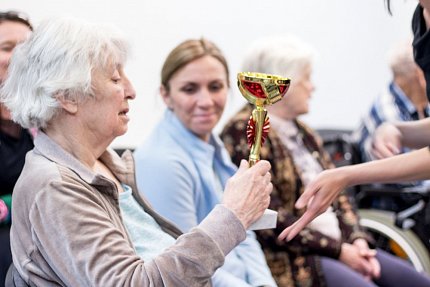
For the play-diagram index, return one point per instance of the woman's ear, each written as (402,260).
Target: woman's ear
(68,104)
(166,97)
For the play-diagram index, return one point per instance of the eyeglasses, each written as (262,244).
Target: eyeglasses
(16,16)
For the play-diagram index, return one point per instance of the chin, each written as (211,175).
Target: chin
(121,132)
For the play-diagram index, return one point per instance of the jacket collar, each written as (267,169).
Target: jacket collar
(48,148)
(194,146)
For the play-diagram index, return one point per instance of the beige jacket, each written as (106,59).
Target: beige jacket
(67,228)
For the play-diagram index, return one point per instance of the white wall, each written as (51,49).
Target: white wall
(351,36)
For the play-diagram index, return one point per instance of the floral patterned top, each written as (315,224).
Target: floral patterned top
(296,263)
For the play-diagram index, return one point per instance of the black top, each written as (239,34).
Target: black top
(12,158)
(421,44)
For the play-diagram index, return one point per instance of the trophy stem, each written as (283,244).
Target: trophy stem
(259,115)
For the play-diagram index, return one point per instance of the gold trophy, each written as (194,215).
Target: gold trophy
(261,90)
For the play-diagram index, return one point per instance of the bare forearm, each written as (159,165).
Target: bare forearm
(415,134)
(405,167)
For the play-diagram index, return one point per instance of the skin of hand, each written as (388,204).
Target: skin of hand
(247,193)
(351,256)
(387,141)
(318,196)
(369,255)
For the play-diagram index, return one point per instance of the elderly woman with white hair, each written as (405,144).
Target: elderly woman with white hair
(78,218)
(332,250)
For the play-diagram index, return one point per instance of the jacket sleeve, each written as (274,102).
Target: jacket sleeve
(349,220)
(79,240)
(177,198)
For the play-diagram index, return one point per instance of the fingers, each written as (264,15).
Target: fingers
(306,197)
(368,253)
(376,268)
(261,167)
(291,231)
(244,165)
(382,149)
(267,178)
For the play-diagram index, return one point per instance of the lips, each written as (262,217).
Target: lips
(124,112)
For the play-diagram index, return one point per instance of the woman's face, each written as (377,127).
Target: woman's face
(11,34)
(296,101)
(105,114)
(197,95)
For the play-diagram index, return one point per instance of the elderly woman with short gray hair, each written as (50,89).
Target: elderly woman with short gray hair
(333,249)
(76,208)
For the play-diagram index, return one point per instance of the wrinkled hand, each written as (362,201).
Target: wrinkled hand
(369,255)
(351,256)
(387,141)
(317,197)
(247,193)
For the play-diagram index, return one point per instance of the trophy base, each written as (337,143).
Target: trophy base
(266,221)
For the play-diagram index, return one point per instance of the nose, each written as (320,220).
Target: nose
(129,91)
(311,87)
(205,98)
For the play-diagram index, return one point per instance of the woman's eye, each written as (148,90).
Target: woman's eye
(216,87)
(189,89)
(7,48)
(116,80)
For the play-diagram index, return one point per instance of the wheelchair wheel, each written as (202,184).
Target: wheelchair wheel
(402,243)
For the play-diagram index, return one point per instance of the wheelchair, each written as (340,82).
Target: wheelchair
(401,226)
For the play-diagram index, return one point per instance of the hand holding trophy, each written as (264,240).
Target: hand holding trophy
(261,90)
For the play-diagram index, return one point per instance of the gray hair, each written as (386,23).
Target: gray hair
(401,59)
(285,56)
(58,60)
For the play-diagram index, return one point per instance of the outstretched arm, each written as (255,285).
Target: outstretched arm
(389,138)
(323,190)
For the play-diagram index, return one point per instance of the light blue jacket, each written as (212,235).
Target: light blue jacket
(175,171)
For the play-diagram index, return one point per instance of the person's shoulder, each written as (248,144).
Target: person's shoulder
(163,159)
(237,123)
(163,150)
(41,175)
(242,115)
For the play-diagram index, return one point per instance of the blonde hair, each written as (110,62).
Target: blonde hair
(187,52)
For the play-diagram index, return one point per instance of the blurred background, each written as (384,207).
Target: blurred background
(352,39)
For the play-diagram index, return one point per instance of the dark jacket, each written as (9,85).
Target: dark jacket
(297,262)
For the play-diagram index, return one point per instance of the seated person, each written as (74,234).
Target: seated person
(333,250)
(78,218)
(403,100)
(15,141)
(183,149)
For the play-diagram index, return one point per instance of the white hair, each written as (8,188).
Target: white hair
(401,59)
(58,60)
(285,56)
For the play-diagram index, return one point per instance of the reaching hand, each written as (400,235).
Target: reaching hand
(387,141)
(317,197)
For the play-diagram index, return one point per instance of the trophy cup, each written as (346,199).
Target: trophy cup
(261,90)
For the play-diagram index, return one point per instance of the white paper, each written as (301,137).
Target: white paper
(266,221)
